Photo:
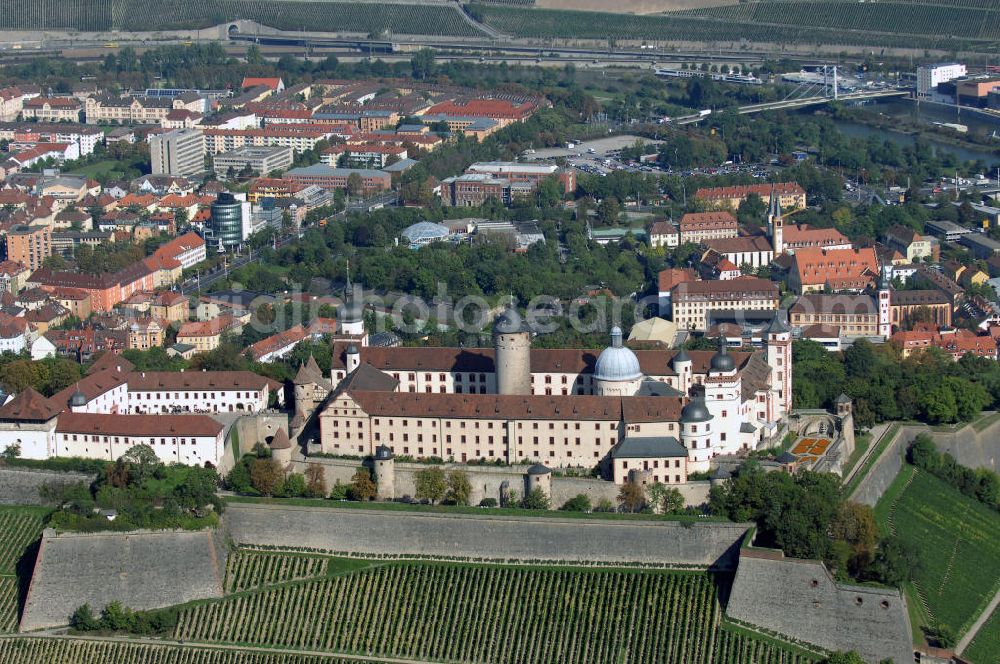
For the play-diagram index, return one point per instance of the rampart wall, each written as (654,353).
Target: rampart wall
(142,570)
(799,599)
(21,486)
(379,532)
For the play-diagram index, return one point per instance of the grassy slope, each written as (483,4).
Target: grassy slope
(958,540)
(985,648)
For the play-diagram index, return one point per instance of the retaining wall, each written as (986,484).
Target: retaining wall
(975,449)
(142,570)
(799,599)
(377,532)
(486,481)
(20,486)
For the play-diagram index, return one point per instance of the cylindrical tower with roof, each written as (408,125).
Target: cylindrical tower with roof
(512,343)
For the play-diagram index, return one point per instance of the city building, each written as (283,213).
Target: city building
(932,75)
(692,301)
(834,269)
(327,177)
(178,152)
(261,160)
(698,226)
(52,109)
(29,245)
(789,194)
(908,242)
(956,342)
(229,224)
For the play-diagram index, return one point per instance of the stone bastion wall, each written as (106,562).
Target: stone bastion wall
(378,532)
(141,570)
(21,486)
(799,599)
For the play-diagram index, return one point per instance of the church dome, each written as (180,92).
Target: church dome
(722,361)
(695,411)
(617,363)
(509,322)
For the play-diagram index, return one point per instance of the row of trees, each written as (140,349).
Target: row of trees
(980,484)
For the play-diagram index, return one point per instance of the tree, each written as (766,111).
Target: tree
(254,56)
(295,486)
(422,63)
(893,563)
(459,487)
(854,523)
(267,476)
(608,212)
(673,501)
(12,451)
(631,497)
(83,619)
(431,484)
(238,479)
(578,503)
(355,185)
(116,617)
(535,500)
(142,463)
(315,481)
(362,486)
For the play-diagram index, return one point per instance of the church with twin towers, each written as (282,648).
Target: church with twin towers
(663,413)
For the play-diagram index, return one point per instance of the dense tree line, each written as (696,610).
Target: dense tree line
(805,515)
(927,386)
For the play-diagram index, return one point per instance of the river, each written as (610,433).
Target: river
(927,113)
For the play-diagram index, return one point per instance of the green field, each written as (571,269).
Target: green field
(68,651)
(985,648)
(19,529)
(482,613)
(958,540)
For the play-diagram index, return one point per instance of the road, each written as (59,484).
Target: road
(966,639)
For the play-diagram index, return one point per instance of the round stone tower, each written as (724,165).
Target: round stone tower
(538,477)
(696,434)
(281,448)
(681,364)
(385,472)
(512,343)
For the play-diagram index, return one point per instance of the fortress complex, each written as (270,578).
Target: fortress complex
(663,413)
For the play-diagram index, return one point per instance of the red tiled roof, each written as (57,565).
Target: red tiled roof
(138,425)
(744,190)
(29,405)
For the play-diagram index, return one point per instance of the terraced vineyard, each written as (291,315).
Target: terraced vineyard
(19,528)
(768,22)
(319,15)
(958,540)
(490,614)
(964,22)
(985,648)
(246,570)
(64,651)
